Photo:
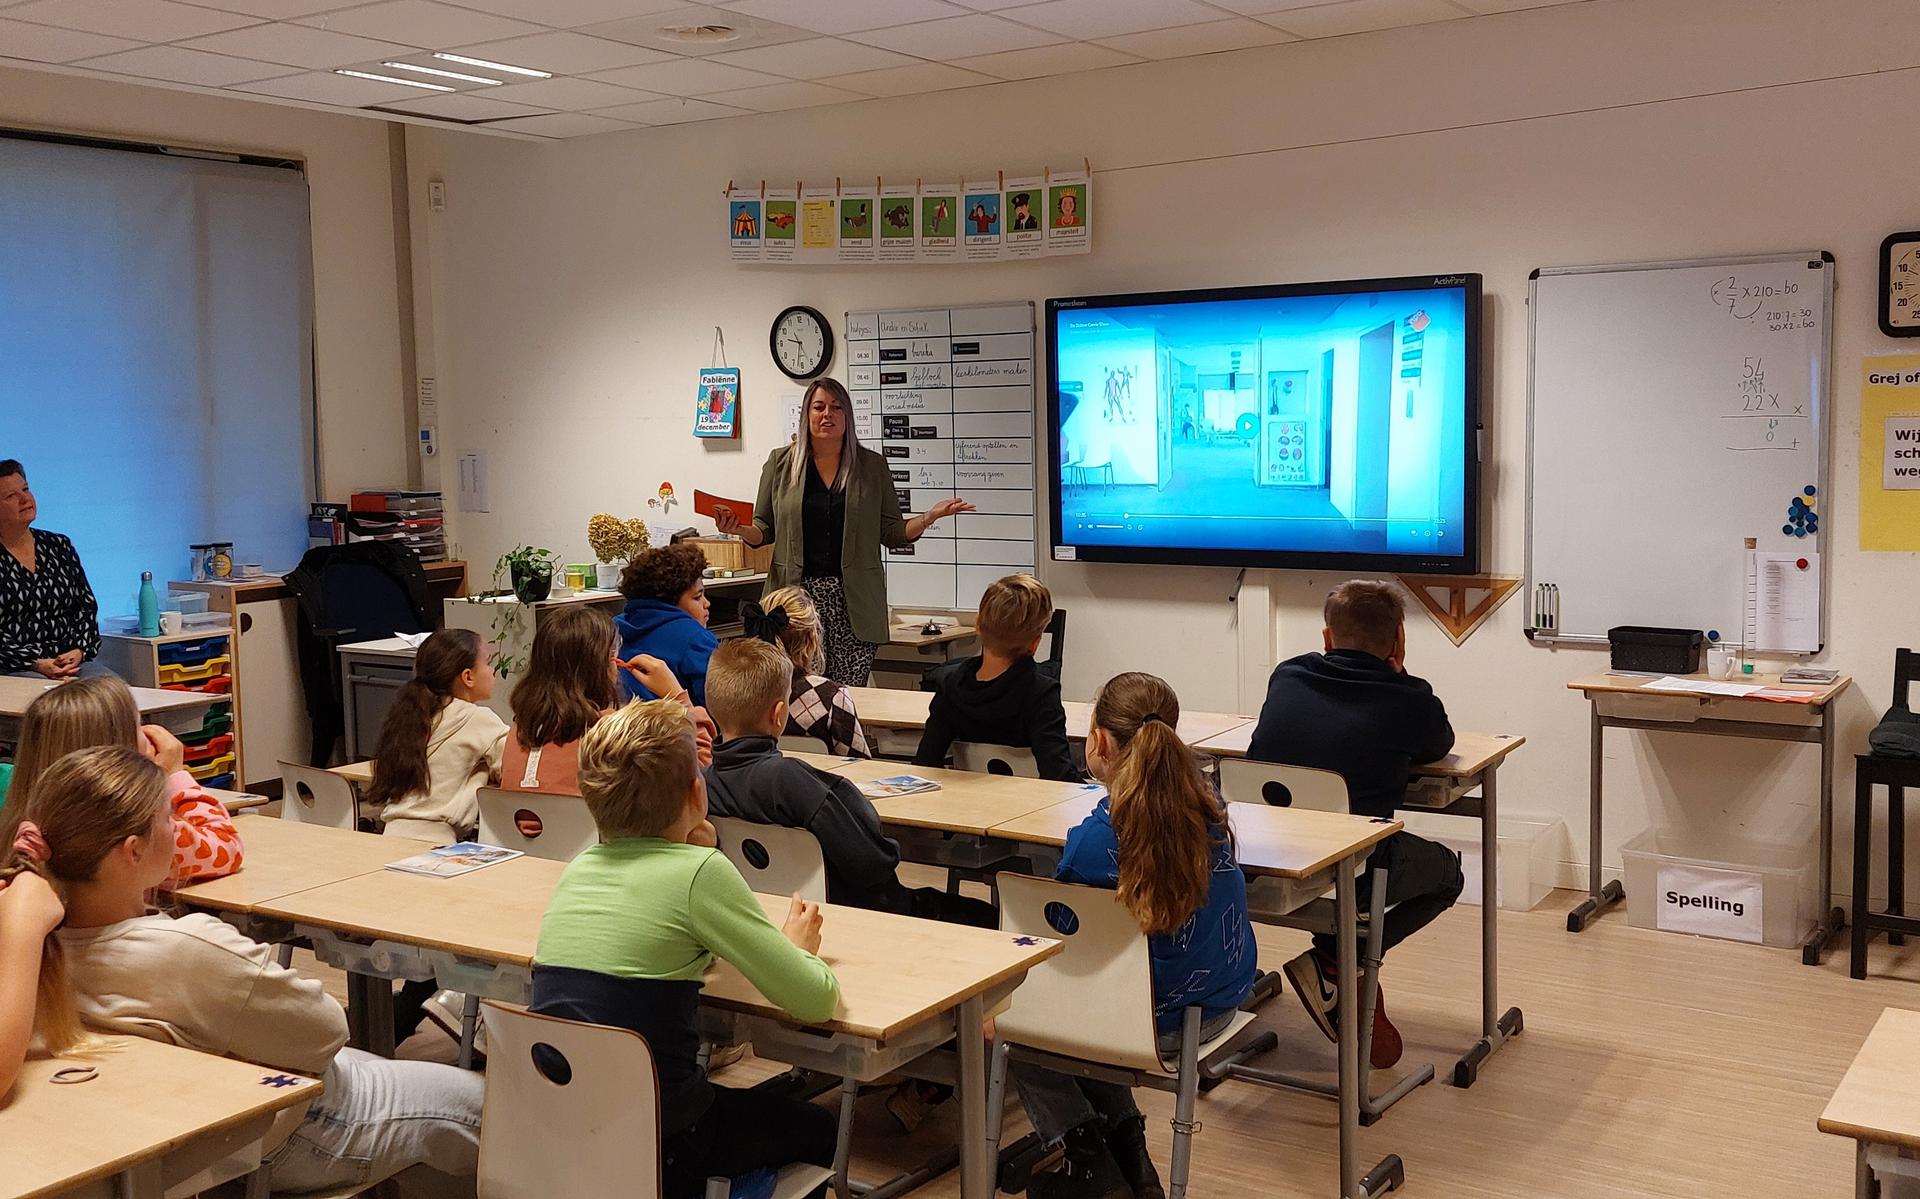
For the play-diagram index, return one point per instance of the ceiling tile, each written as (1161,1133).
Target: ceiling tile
(1363,16)
(907,81)
(563,124)
(570,95)
(423,23)
(655,30)
(1255,8)
(1033,63)
(975,33)
(564,53)
(1208,38)
(274,10)
(991,5)
(687,77)
(845,16)
(672,112)
(566,14)
(297,45)
(1112,18)
(141,20)
(465,107)
(814,59)
(325,87)
(180,65)
(776,97)
(44,43)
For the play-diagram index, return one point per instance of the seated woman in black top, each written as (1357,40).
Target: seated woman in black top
(49,621)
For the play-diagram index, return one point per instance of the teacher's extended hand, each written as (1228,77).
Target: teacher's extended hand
(946,508)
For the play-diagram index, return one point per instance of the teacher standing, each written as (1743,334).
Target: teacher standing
(827,504)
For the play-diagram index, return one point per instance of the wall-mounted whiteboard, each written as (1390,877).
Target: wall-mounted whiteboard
(946,394)
(1675,409)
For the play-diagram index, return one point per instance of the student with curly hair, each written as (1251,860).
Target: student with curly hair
(666,617)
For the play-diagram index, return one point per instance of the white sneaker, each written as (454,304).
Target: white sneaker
(1316,992)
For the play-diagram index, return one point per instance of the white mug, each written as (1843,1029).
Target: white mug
(1720,662)
(172,624)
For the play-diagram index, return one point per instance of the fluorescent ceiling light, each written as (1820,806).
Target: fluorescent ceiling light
(407,66)
(432,87)
(463,60)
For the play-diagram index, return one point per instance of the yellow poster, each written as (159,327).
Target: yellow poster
(1890,453)
(816,224)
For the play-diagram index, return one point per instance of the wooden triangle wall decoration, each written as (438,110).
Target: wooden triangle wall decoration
(1450,599)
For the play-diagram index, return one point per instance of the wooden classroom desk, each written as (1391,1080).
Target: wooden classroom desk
(913,636)
(148,1100)
(906,985)
(1629,702)
(887,708)
(360,774)
(238,801)
(175,711)
(281,857)
(1878,1102)
(967,803)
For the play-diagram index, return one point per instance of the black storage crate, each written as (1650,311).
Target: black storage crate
(1654,650)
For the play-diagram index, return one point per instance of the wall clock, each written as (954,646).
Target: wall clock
(802,342)
(1900,285)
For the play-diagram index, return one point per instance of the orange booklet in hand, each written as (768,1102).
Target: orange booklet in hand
(705,502)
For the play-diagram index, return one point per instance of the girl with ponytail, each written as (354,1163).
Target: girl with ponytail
(439,746)
(818,707)
(97,827)
(1161,839)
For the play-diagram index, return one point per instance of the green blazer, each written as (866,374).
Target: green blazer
(873,520)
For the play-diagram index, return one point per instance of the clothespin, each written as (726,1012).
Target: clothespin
(728,194)
(763,189)
(836,185)
(876,185)
(1086,164)
(1003,179)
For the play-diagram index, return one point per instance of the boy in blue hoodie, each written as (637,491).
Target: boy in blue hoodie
(666,616)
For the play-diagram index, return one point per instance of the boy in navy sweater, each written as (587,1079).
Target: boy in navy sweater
(1356,711)
(1002,697)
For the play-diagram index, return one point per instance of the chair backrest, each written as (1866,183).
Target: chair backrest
(1906,669)
(309,795)
(981,758)
(774,859)
(1246,781)
(1056,657)
(566,827)
(1103,976)
(791,743)
(572,1109)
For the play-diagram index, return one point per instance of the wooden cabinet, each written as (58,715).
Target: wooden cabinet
(201,662)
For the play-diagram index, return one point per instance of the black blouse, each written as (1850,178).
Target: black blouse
(46,611)
(823,513)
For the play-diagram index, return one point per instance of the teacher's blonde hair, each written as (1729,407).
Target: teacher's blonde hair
(801,460)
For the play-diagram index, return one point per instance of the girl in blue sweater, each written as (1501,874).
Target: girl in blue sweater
(1161,839)
(666,616)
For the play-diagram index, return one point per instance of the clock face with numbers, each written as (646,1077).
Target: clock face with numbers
(802,342)
(1900,285)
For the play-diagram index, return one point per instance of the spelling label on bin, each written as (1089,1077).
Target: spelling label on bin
(1710,903)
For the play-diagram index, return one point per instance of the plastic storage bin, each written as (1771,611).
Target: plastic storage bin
(1722,885)
(199,673)
(186,601)
(222,765)
(1529,851)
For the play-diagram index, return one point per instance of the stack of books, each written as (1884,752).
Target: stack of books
(415,518)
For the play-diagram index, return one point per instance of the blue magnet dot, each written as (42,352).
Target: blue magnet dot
(1713,634)
(1797,505)
(1799,532)
(1787,529)
(1808,490)
(1813,526)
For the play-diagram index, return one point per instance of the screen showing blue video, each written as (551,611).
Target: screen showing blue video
(1294,425)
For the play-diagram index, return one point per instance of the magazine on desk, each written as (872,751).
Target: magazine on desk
(897,784)
(452,861)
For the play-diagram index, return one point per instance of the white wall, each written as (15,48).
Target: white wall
(357,376)
(577,285)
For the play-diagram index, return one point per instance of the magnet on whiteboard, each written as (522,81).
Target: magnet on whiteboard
(1801,563)
(1787,529)
(1808,490)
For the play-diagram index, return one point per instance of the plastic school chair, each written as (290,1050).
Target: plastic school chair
(1306,904)
(977,757)
(566,826)
(774,859)
(310,795)
(1089,1010)
(599,1085)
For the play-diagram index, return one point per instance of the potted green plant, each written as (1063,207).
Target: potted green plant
(530,571)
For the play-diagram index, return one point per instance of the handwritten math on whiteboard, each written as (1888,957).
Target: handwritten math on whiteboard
(946,395)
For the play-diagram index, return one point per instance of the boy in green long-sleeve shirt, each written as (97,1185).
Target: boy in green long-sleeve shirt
(634,924)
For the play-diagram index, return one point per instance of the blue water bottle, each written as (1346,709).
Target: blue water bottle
(149,606)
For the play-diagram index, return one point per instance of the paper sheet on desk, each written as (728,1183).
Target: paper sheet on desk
(1702,686)
(413,640)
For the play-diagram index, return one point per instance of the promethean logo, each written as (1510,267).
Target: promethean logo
(1712,903)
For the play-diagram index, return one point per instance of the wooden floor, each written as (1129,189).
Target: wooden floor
(1652,1065)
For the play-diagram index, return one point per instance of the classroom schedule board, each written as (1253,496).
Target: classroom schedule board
(946,395)
(1675,410)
